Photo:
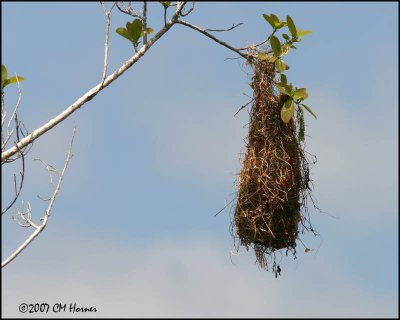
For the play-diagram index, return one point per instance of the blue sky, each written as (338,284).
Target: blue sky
(133,231)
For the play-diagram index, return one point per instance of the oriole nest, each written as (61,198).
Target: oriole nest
(273,184)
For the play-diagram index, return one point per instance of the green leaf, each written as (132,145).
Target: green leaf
(291,26)
(281,88)
(272,59)
(309,110)
(300,94)
(287,111)
(280,24)
(14,79)
(284,49)
(4,73)
(262,56)
(135,30)
(5,81)
(284,88)
(275,45)
(275,19)
(123,32)
(148,31)
(289,87)
(280,65)
(283,79)
(166,4)
(4,84)
(285,36)
(269,20)
(301,33)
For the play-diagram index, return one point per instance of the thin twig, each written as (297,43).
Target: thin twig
(189,11)
(28,219)
(223,30)
(50,169)
(129,10)
(244,106)
(94,91)
(108,17)
(224,207)
(255,45)
(3,111)
(12,118)
(22,172)
(244,55)
(17,130)
(144,22)
(259,44)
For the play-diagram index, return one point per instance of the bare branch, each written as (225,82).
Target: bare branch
(244,106)
(17,130)
(223,30)
(244,55)
(3,110)
(255,45)
(189,11)
(22,173)
(69,156)
(12,118)
(108,17)
(27,216)
(227,204)
(128,10)
(50,169)
(144,22)
(94,91)
(24,218)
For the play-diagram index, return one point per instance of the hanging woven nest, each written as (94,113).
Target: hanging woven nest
(274,180)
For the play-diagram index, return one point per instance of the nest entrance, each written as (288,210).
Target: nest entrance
(275,176)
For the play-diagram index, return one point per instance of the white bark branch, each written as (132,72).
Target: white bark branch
(12,118)
(28,219)
(108,17)
(92,92)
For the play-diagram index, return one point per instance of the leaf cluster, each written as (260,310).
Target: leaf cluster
(280,48)
(5,80)
(134,31)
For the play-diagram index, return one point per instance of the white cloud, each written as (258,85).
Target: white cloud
(195,278)
(357,158)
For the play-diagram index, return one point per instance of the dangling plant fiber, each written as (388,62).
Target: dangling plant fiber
(273,184)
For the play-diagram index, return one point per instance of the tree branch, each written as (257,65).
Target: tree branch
(223,30)
(129,10)
(22,172)
(28,219)
(182,14)
(13,116)
(244,55)
(144,22)
(94,91)
(108,17)
(256,45)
